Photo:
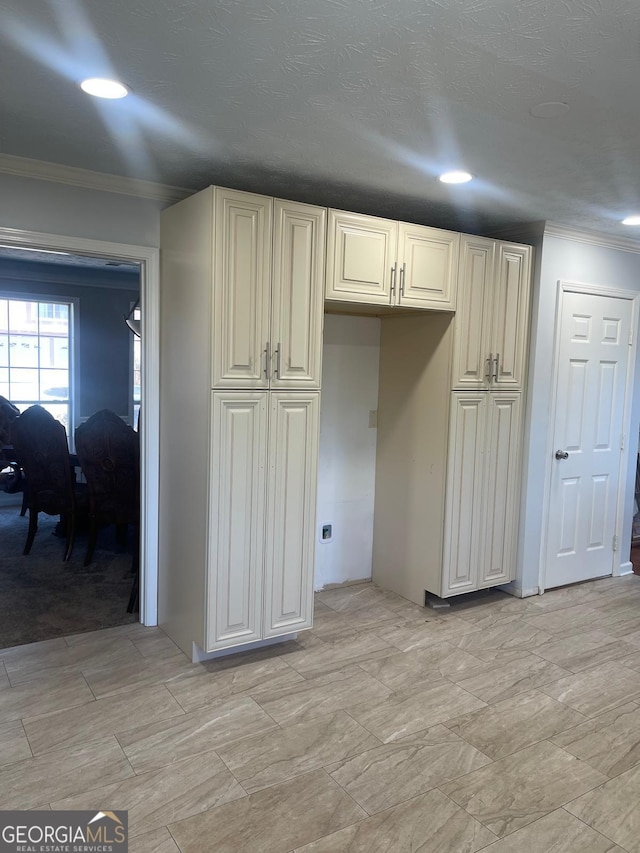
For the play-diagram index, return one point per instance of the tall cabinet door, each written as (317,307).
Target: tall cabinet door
(236,518)
(297,295)
(427,267)
(463,534)
(293,458)
(241,289)
(361,254)
(501,490)
(510,313)
(471,354)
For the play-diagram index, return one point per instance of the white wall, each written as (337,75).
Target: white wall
(33,204)
(564,260)
(346,472)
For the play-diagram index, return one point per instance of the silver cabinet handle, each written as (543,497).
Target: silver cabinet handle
(488,362)
(393,283)
(403,269)
(562,454)
(267,359)
(278,348)
(497,362)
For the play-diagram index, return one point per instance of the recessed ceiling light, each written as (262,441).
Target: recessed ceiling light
(456,177)
(550,109)
(100,87)
(631,220)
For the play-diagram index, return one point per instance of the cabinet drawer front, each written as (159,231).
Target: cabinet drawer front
(500,494)
(298,295)
(293,460)
(511,314)
(473,320)
(428,267)
(236,518)
(463,534)
(360,253)
(241,289)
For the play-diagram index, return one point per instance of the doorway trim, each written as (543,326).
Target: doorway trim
(149,260)
(590,290)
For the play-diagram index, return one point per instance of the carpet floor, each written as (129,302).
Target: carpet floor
(41,597)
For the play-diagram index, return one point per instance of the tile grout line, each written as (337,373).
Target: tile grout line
(593,829)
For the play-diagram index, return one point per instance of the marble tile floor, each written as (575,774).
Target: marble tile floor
(503,725)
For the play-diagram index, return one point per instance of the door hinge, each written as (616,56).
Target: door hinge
(615,543)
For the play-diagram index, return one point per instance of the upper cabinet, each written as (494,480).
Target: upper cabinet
(492,316)
(268,293)
(381,262)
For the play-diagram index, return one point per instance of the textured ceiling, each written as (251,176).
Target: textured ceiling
(352,103)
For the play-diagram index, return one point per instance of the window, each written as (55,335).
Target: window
(35,355)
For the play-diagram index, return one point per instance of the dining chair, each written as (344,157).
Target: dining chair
(8,414)
(108,451)
(40,442)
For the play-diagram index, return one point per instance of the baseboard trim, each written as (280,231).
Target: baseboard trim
(516,590)
(624,569)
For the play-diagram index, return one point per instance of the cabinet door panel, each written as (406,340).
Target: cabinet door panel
(428,267)
(360,253)
(236,518)
(293,459)
(298,295)
(500,494)
(511,314)
(472,323)
(241,289)
(463,534)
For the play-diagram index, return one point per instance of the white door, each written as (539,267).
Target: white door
(592,365)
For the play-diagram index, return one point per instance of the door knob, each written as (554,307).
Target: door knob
(562,454)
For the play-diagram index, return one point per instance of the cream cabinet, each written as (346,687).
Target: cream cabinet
(449,432)
(375,261)
(492,314)
(262,507)
(292,459)
(241,336)
(268,298)
(481,491)
(237,507)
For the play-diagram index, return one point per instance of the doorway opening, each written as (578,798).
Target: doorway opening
(102,264)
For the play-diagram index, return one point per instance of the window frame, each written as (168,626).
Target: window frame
(136,313)
(74,347)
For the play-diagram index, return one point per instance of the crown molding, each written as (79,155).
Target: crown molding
(595,238)
(24,167)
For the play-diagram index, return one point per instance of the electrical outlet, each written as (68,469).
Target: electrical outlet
(326,532)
